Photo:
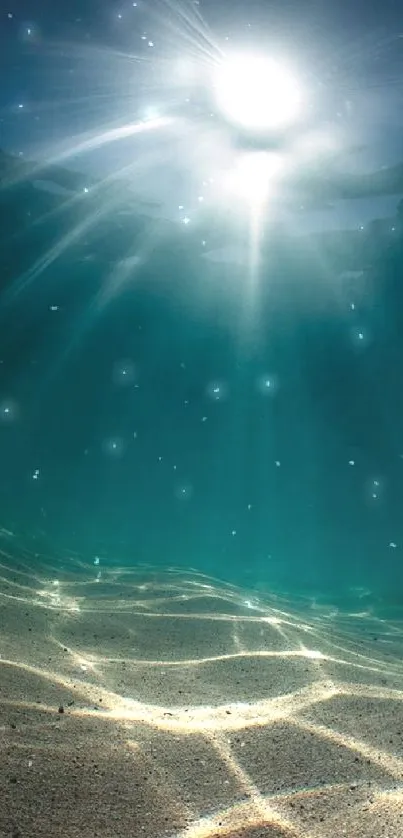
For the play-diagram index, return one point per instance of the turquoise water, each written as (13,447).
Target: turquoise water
(164,405)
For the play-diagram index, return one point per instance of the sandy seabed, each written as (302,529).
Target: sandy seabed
(148,703)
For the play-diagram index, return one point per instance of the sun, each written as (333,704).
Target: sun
(257,93)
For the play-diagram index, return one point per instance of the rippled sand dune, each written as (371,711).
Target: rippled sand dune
(148,703)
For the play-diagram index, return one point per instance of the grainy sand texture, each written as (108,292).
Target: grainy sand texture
(137,702)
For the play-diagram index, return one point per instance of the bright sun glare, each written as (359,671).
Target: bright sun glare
(257,93)
(254,175)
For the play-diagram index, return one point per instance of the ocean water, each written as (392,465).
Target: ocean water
(201,450)
(242,420)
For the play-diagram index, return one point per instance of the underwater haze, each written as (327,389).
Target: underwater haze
(201,420)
